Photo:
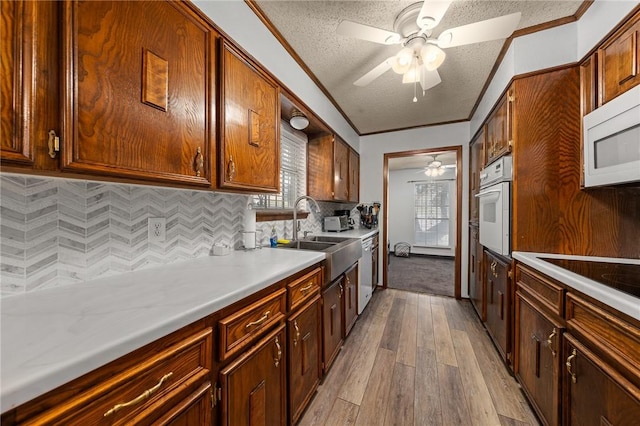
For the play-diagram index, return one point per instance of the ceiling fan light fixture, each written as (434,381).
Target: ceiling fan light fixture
(432,56)
(402,61)
(298,121)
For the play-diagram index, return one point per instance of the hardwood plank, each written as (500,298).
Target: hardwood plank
(454,313)
(425,338)
(436,300)
(427,409)
(383,305)
(408,332)
(454,406)
(374,403)
(507,421)
(355,383)
(391,336)
(401,396)
(343,413)
(444,345)
(503,388)
(481,408)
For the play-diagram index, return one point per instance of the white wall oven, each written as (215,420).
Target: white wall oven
(611,136)
(495,206)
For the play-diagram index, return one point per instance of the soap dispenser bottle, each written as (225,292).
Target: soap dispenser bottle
(273,240)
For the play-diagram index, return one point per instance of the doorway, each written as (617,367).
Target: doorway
(422,176)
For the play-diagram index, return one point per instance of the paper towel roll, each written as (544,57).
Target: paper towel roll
(249,240)
(249,220)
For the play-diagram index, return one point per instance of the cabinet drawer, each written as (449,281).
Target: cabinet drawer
(304,288)
(241,328)
(375,240)
(612,335)
(550,295)
(140,394)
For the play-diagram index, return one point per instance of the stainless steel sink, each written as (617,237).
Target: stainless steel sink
(340,253)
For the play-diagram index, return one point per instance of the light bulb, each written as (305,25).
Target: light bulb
(440,171)
(427,172)
(402,61)
(432,56)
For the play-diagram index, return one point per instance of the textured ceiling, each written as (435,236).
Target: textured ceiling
(386,104)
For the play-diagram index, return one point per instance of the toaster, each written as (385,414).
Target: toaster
(336,223)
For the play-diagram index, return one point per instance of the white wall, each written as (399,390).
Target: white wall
(401,209)
(373,148)
(236,19)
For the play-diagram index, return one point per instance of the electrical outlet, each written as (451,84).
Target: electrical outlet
(157,229)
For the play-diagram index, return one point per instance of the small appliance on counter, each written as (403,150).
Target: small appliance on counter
(369,214)
(346,213)
(336,223)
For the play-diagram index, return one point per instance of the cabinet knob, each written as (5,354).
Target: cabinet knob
(199,162)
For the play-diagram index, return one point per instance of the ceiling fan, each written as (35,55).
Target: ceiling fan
(435,167)
(422,54)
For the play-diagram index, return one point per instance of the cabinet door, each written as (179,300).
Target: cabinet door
(354,176)
(350,299)
(498,302)
(331,322)
(320,168)
(476,278)
(476,152)
(499,137)
(619,60)
(250,115)
(595,393)
(537,358)
(138,100)
(340,171)
(375,252)
(29,78)
(193,410)
(254,386)
(305,368)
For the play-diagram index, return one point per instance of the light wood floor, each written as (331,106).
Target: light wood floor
(416,359)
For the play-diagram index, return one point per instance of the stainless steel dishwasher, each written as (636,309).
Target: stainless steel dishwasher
(365,264)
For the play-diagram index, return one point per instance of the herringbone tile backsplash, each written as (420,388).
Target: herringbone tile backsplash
(61,231)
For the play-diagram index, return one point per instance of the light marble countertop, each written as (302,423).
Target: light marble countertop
(623,302)
(362,233)
(50,337)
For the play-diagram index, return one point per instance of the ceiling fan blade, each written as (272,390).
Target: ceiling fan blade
(367,32)
(374,73)
(491,29)
(431,13)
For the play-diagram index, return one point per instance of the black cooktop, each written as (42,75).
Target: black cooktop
(621,276)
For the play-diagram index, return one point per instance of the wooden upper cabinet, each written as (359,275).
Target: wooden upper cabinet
(333,170)
(249,115)
(340,171)
(588,85)
(354,176)
(320,168)
(499,139)
(476,157)
(619,61)
(139,91)
(29,73)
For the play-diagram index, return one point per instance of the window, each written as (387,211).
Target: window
(293,171)
(432,211)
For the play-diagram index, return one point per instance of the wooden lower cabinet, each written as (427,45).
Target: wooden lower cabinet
(254,386)
(193,410)
(350,299)
(305,363)
(595,393)
(331,322)
(537,361)
(476,277)
(498,303)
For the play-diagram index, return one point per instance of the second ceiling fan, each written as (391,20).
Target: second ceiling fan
(421,54)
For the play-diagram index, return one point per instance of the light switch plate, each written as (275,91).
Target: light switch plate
(157,229)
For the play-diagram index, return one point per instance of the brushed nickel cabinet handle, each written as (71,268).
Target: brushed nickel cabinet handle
(262,319)
(276,360)
(553,334)
(142,397)
(574,353)
(231,169)
(199,162)
(54,143)
(297,336)
(306,288)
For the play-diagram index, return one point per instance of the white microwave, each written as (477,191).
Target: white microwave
(611,136)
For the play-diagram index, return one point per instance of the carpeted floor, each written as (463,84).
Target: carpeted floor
(422,274)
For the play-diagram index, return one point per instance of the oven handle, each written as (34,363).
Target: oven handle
(487,192)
